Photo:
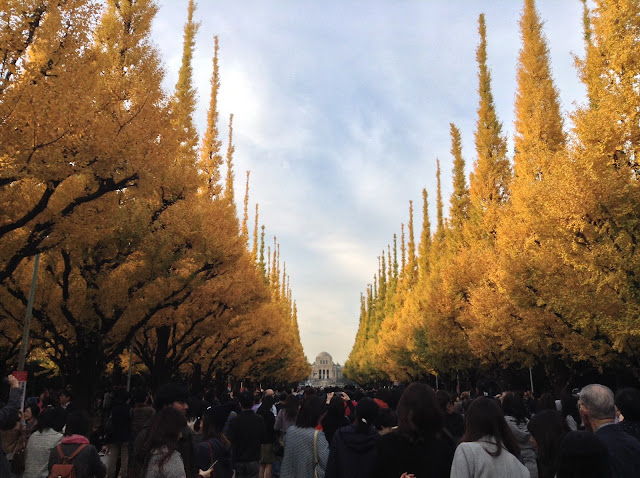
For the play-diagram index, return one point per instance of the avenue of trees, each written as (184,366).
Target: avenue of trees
(538,263)
(133,214)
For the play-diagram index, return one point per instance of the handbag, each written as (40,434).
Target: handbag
(18,458)
(315,454)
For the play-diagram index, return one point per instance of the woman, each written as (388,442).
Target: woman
(86,463)
(547,430)
(416,446)
(13,438)
(335,417)
(30,417)
(157,456)
(306,449)
(40,445)
(285,419)
(215,448)
(515,415)
(488,448)
(353,448)
(569,405)
(266,449)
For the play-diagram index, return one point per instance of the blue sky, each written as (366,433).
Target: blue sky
(340,111)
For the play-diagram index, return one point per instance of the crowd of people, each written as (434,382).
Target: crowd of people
(412,432)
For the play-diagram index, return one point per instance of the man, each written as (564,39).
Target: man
(597,409)
(6,413)
(270,393)
(245,434)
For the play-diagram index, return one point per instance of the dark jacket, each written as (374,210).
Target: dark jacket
(269,421)
(87,463)
(214,448)
(7,412)
(120,425)
(631,427)
(246,432)
(623,451)
(352,454)
(425,457)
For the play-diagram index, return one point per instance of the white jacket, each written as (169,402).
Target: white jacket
(472,460)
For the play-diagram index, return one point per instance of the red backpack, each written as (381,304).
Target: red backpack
(65,468)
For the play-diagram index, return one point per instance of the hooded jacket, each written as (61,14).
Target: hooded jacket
(352,454)
(523,437)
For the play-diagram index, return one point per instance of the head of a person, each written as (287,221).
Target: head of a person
(484,417)
(419,412)
(246,400)
(335,409)
(140,396)
(65,397)
(165,430)
(78,423)
(311,412)
(173,395)
(596,405)
(582,455)
(444,401)
(267,403)
(213,421)
(291,406)
(546,402)
(513,406)
(47,419)
(366,413)
(386,420)
(282,397)
(31,412)
(628,402)
(547,430)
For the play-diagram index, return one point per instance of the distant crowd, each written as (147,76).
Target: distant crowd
(412,432)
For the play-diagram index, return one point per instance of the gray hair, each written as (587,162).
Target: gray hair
(599,400)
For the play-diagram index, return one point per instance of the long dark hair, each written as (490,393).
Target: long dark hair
(513,406)
(311,411)
(419,414)
(291,406)
(164,431)
(548,429)
(485,417)
(366,414)
(212,423)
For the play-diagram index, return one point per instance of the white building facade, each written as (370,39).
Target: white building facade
(324,372)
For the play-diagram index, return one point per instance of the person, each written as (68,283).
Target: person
(286,418)
(488,447)
(246,432)
(12,437)
(215,448)
(515,414)
(628,404)
(306,450)
(386,420)
(546,402)
(87,463)
(268,437)
(453,421)
(416,446)
(547,430)
(6,414)
(582,455)
(353,449)
(30,417)
(569,408)
(158,456)
(141,413)
(118,435)
(40,444)
(65,399)
(597,410)
(335,417)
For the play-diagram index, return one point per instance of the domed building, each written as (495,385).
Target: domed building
(324,372)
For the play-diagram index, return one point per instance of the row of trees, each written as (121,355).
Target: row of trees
(538,263)
(104,175)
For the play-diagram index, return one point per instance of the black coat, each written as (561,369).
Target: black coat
(623,451)
(6,413)
(352,454)
(425,457)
